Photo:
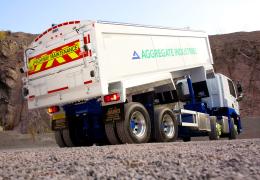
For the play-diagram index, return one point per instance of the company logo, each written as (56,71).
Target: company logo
(163,53)
(135,55)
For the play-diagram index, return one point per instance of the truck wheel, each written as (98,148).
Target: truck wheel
(75,135)
(214,133)
(59,139)
(67,138)
(186,139)
(165,125)
(136,127)
(111,133)
(233,130)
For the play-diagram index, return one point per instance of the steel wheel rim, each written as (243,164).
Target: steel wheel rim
(138,124)
(168,126)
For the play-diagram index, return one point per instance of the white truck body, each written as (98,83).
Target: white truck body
(78,60)
(113,83)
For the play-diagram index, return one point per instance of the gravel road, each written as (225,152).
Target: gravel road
(237,159)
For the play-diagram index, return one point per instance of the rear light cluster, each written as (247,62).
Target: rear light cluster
(112,97)
(53,109)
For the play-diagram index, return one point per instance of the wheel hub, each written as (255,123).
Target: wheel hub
(138,124)
(167,126)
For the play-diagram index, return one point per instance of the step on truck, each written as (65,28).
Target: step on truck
(114,83)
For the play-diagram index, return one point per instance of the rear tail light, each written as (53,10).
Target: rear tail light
(112,97)
(53,109)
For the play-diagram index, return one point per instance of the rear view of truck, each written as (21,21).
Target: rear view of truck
(60,66)
(113,83)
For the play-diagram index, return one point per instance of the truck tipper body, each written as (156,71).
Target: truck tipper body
(112,83)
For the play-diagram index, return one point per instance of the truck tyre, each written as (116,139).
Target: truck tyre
(75,134)
(67,138)
(165,125)
(233,130)
(136,127)
(111,133)
(214,133)
(59,139)
(186,138)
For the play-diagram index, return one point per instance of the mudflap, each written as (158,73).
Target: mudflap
(113,112)
(58,124)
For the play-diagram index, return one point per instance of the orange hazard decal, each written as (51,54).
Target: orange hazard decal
(55,57)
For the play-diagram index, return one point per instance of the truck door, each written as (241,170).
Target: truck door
(232,96)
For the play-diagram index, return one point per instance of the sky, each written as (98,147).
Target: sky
(212,16)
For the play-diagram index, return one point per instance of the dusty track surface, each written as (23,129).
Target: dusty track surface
(15,140)
(239,159)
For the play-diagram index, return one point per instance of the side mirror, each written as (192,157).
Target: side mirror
(240,97)
(239,88)
(239,91)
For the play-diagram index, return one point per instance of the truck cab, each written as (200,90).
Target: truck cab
(216,96)
(222,93)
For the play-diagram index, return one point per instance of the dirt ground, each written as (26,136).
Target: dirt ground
(251,128)
(28,157)
(13,139)
(223,159)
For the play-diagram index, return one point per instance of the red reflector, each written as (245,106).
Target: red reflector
(88,82)
(53,109)
(56,90)
(85,40)
(31,97)
(112,97)
(88,38)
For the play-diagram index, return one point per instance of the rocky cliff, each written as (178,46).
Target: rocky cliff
(13,110)
(236,55)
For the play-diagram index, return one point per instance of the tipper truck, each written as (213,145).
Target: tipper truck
(114,83)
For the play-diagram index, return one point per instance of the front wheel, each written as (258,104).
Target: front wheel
(215,129)
(233,130)
(136,126)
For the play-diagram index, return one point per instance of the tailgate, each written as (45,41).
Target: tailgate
(56,59)
(61,68)
(64,87)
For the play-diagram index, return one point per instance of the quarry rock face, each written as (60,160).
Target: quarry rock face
(236,55)
(14,113)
